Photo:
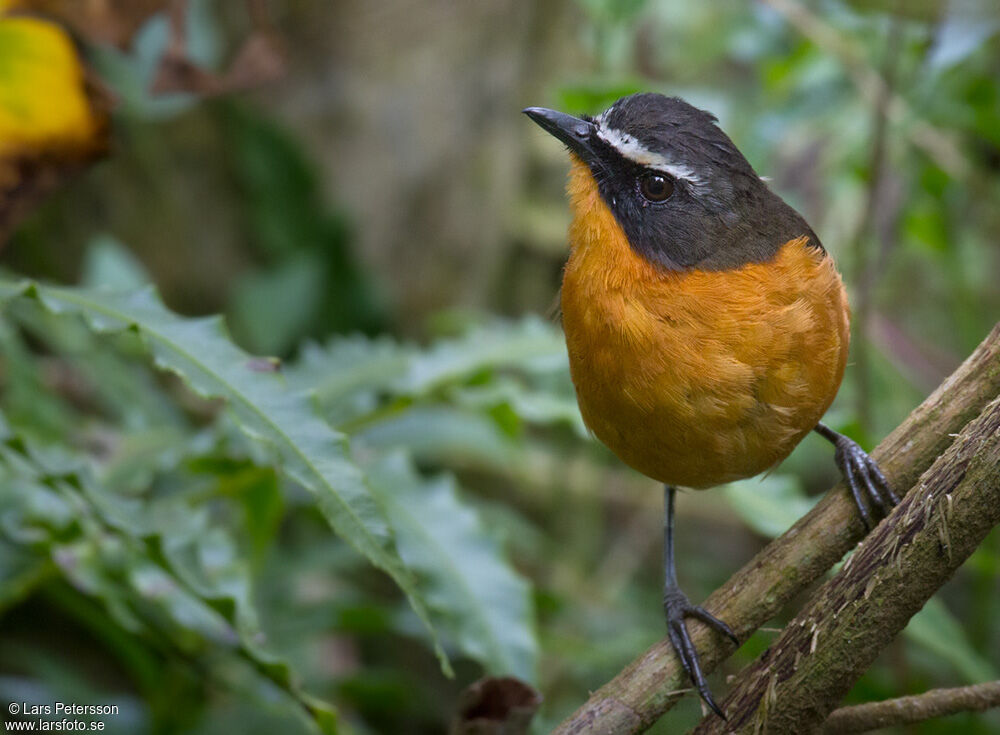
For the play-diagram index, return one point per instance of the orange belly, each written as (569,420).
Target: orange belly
(702,377)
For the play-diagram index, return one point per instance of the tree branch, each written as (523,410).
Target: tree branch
(908,710)
(653,683)
(798,681)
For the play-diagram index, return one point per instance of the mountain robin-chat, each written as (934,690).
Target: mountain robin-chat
(707,327)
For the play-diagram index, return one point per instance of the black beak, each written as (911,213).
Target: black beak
(577,134)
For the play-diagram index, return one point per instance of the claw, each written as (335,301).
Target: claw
(874,494)
(883,482)
(863,477)
(677,607)
(713,622)
(847,470)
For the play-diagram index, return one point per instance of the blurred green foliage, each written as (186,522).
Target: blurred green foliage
(151,523)
(308,281)
(194,533)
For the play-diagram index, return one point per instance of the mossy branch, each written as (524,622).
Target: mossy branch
(652,683)
(909,710)
(797,682)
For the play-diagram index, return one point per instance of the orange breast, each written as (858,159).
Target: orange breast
(698,378)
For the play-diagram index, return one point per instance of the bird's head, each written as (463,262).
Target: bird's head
(680,189)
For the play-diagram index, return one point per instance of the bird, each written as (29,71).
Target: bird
(707,327)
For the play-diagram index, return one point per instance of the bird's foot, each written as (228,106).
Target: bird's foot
(677,607)
(864,478)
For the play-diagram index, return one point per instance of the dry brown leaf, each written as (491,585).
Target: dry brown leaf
(101,21)
(260,60)
(496,706)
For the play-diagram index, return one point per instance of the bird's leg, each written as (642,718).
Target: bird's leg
(861,474)
(677,607)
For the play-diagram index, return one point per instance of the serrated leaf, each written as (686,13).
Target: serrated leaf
(467,583)
(310,452)
(123,386)
(540,407)
(205,559)
(391,395)
(347,365)
(530,344)
(109,264)
(100,543)
(442,434)
(25,398)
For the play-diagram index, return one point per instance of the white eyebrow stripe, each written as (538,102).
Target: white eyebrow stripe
(633,150)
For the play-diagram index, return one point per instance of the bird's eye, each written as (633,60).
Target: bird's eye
(656,187)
